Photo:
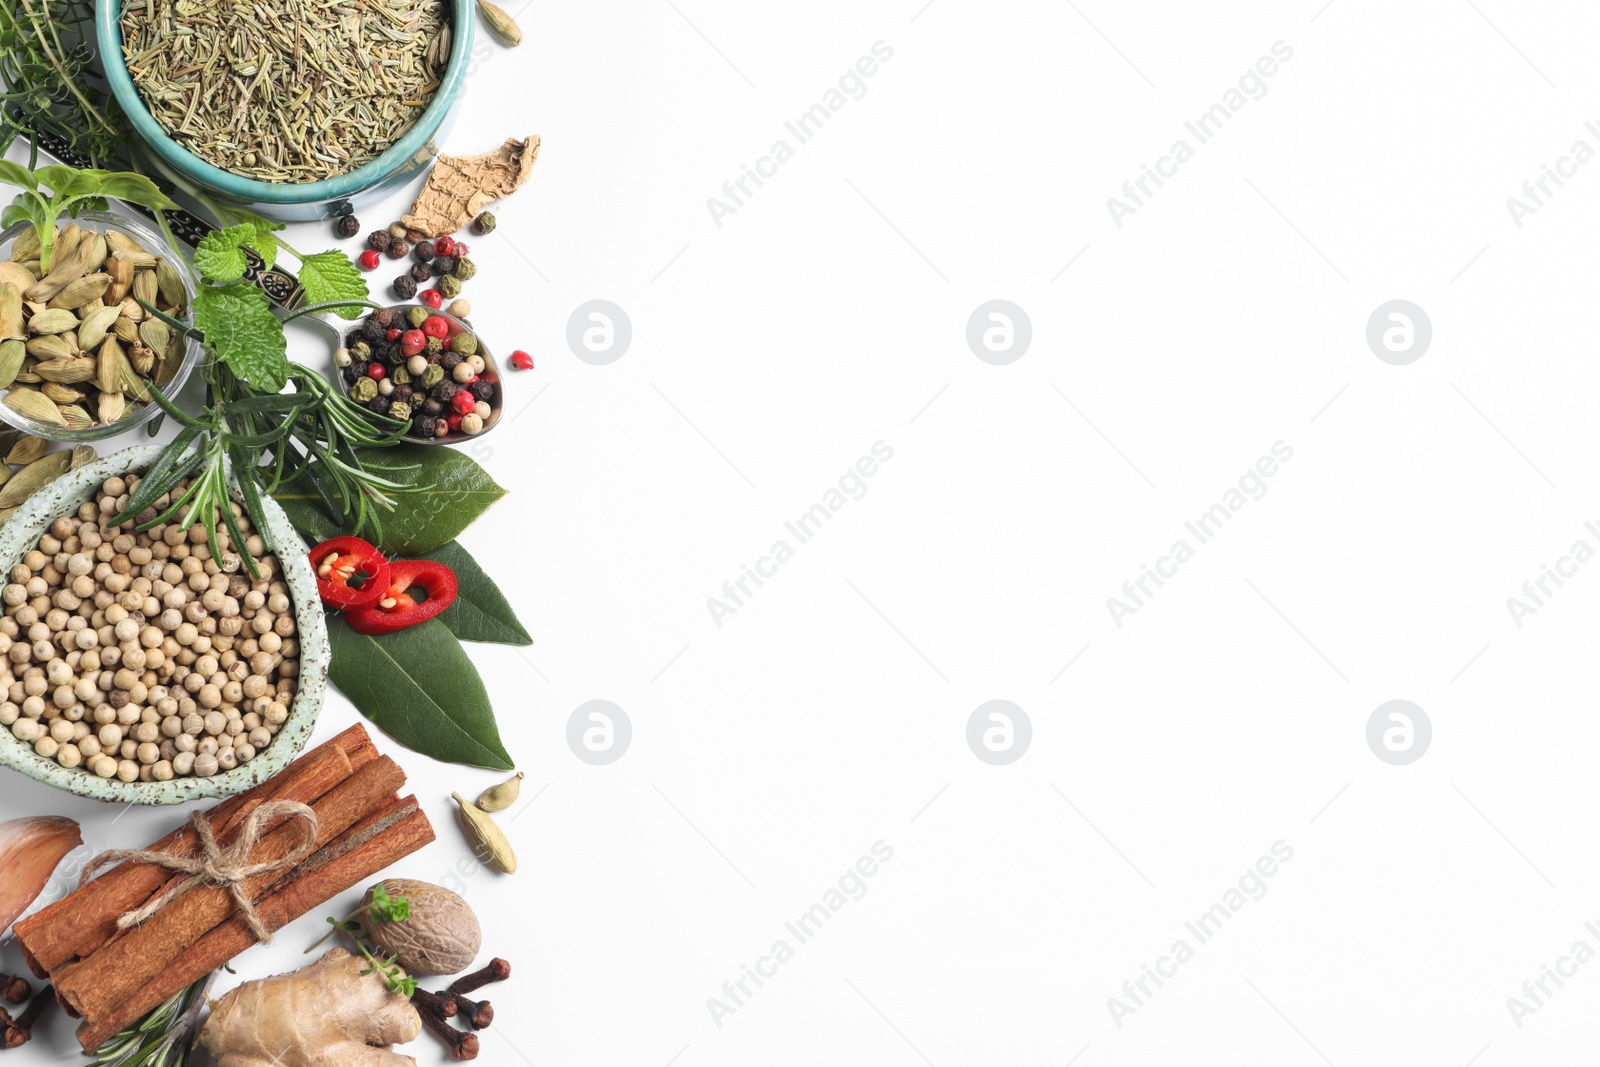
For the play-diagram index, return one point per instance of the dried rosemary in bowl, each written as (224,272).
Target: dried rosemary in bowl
(286,90)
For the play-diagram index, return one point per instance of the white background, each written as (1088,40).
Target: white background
(829,712)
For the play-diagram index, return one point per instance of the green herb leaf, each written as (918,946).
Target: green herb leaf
(481,612)
(18,175)
(218,258)
(457,492)
(328,276)
(135,189)
(239,327)
(419,687)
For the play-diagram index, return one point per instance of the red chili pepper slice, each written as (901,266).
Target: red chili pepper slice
(396,609)
(337,561)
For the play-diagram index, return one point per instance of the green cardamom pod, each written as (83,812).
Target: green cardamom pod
(144,286)
(35,476)
(95,325)
(80,291)
(26,246)
(487,839)
(55,320)
(82,456)
(154,333)
(12,354)
(76,418)
(49,346)
(502,796)
(27,449)
(32,404)
(169,283)
(502,25)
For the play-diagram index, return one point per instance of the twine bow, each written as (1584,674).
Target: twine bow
(214,865)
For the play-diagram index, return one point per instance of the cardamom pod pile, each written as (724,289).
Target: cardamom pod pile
(77,349)
(36,467)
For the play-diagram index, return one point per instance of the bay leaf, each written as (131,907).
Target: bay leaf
(481,611)
(419,687)
(458,492)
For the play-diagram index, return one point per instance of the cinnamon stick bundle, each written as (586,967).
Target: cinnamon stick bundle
(379,841)
(113,974)
(113,977)
(83,921)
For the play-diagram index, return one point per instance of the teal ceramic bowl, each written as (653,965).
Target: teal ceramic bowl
(308,201)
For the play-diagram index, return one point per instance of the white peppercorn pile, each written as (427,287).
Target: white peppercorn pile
(135,656)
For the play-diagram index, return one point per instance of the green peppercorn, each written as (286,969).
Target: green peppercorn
(416,316)
(432,376)
(360,351)
(484,223)
(433,346)
(400,375)
(400,410)
(364,389)
(464,344)
(449,286)
(465,269)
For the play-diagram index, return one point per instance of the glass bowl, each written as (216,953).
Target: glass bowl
(138,414)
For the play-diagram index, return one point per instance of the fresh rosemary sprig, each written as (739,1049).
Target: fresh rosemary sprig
(162,1038)
(267,439)
(48,84)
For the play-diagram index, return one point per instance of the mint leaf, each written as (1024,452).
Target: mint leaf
(329,276)
(240,328)
(18,175)
(218,258)
(265,245)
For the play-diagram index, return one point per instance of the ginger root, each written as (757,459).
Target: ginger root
(459,187)
(326,1015)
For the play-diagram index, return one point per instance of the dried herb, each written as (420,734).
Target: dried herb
(286,90)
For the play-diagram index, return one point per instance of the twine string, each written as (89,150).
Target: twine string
(213,865)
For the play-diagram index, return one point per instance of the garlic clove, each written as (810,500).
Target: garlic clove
(30,849)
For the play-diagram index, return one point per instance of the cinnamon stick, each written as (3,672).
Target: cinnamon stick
(80,923)
(116,971)
(384,837)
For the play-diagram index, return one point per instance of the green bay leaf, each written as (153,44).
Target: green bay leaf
(481,611)
(458,492)
(419,687)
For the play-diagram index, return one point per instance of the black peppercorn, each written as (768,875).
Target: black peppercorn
(346,226)
(404,287)
(445,390)
(398,249)
(433,405)
(401,392)
(354,371)
(353,335)
(483,390)
(378,240)
(450,360)
(423,425)
(443,265)
(380,404)
(423,251)
(384,317)
(372,330)
(421,272)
